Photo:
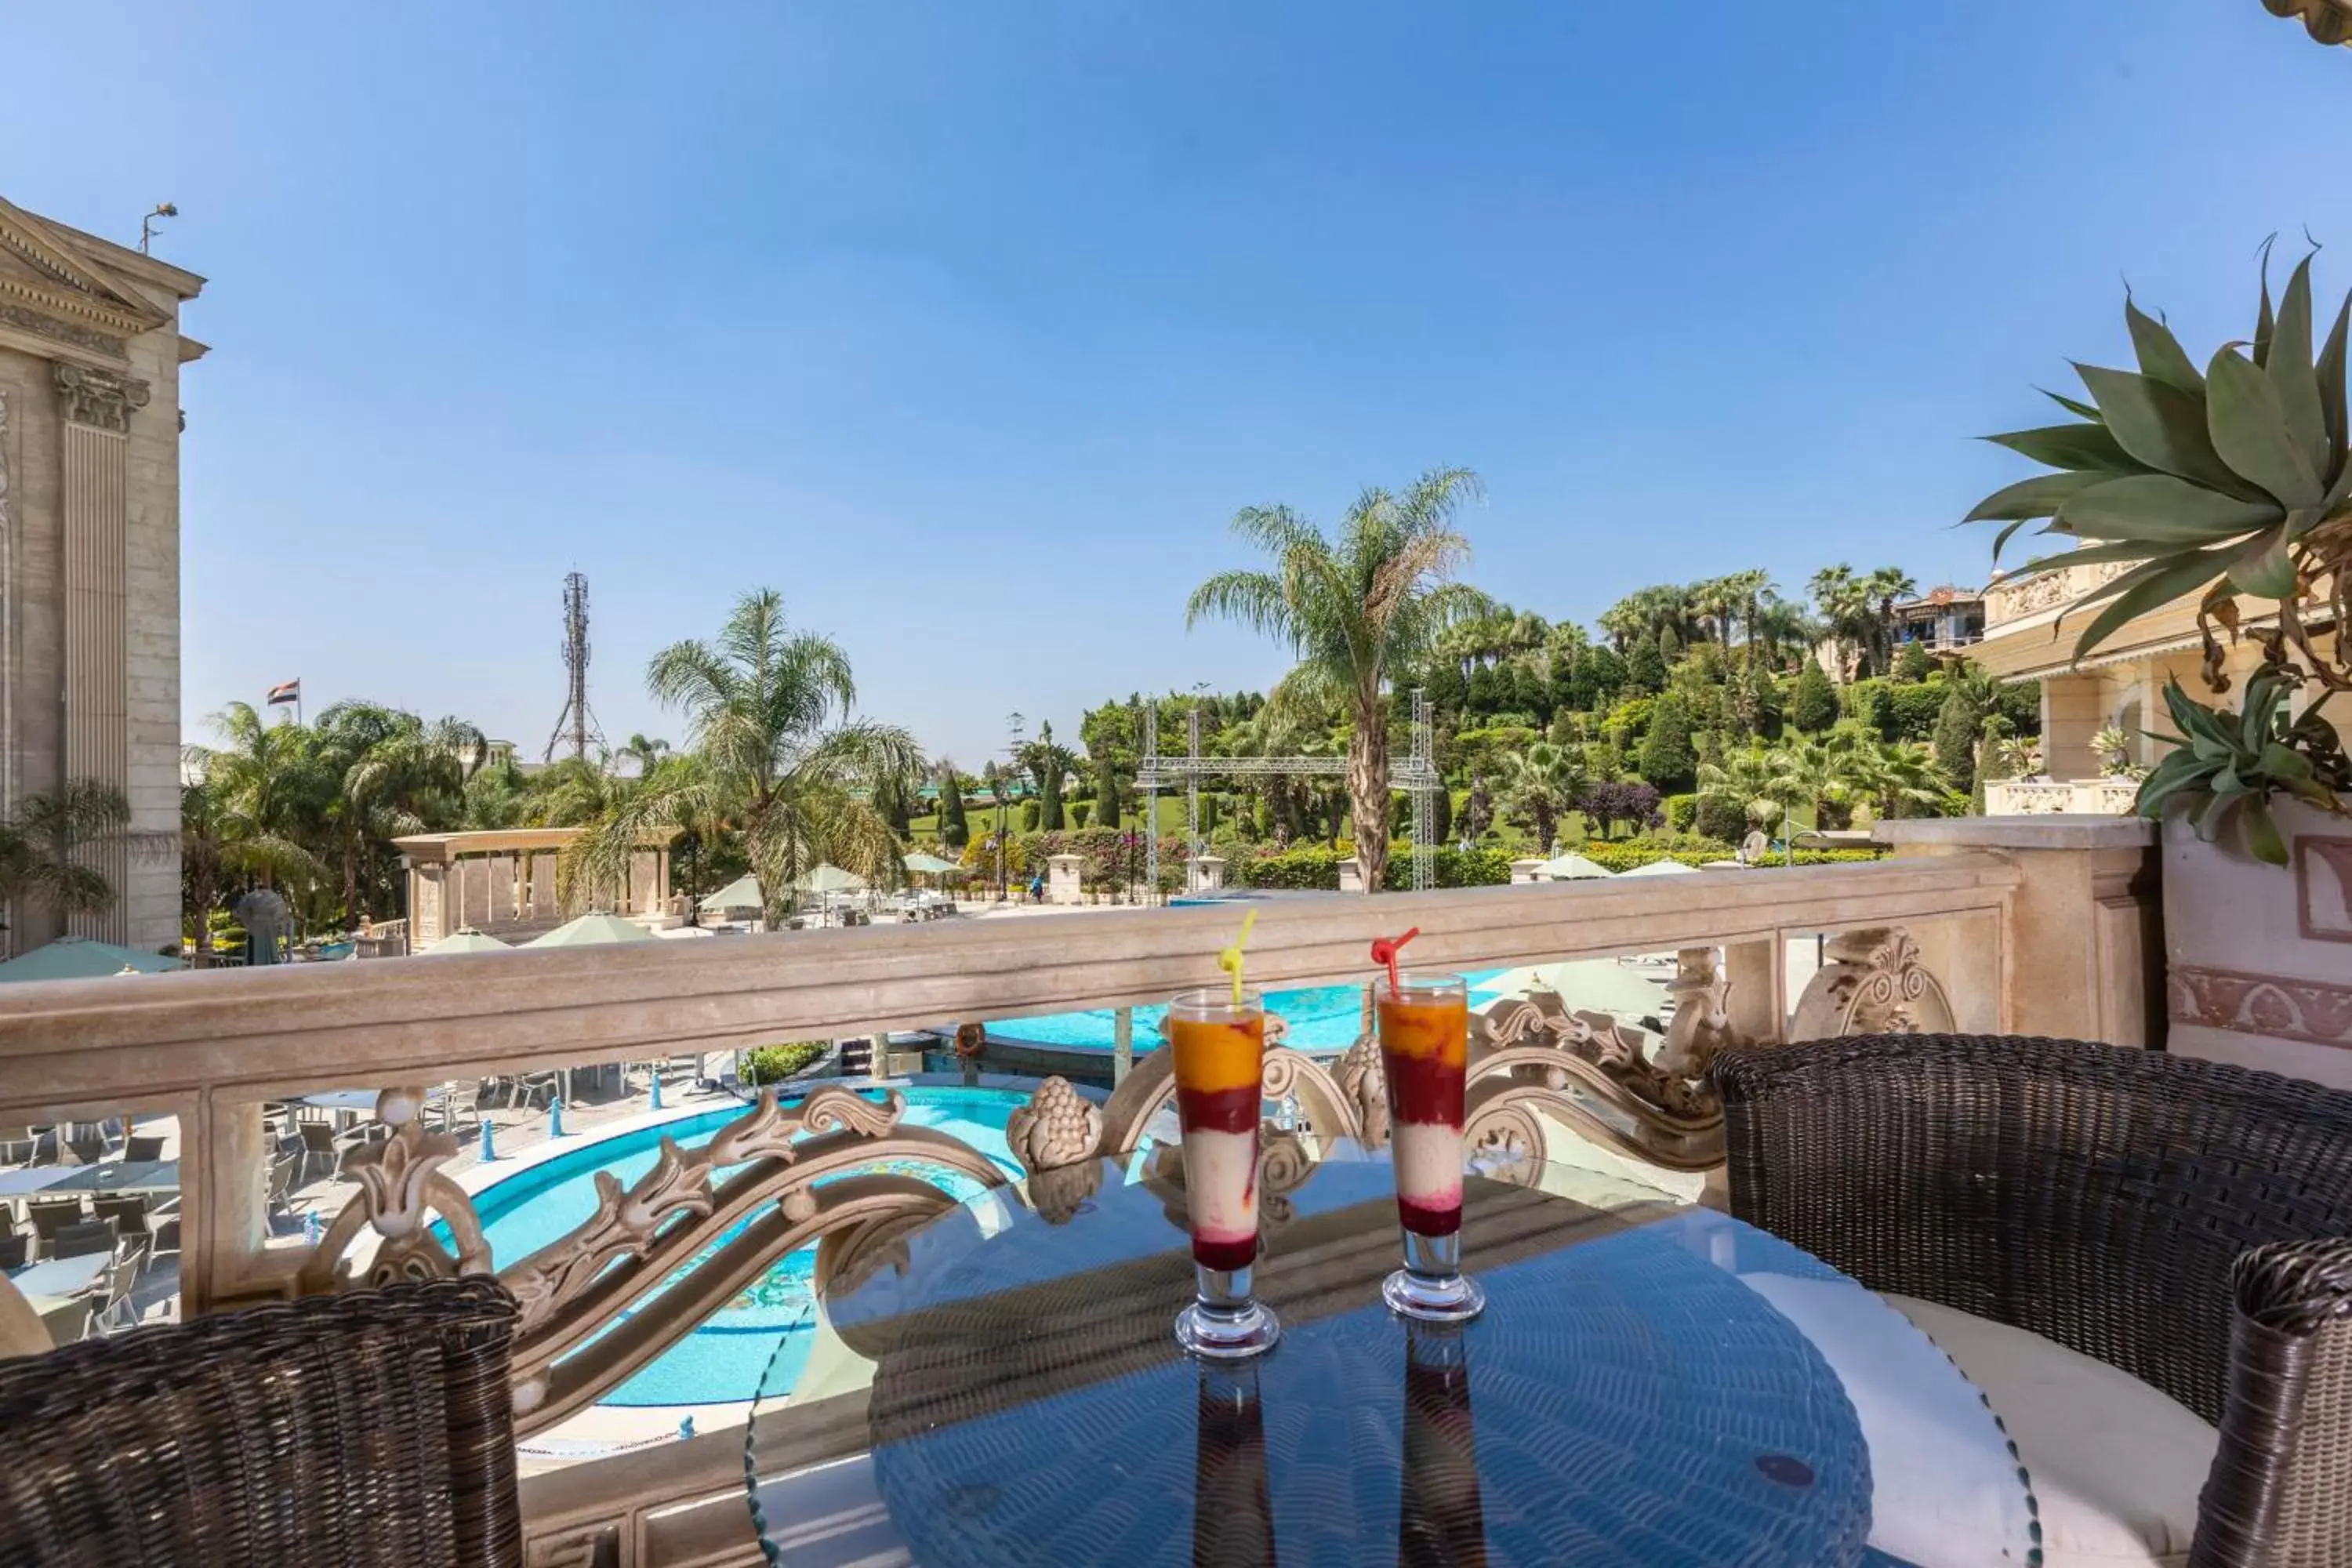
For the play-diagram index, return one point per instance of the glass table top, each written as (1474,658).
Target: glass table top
(1650,1384)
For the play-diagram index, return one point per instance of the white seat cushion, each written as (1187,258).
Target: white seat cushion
(2117,1466)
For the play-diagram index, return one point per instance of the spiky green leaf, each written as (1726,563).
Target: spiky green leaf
(2072,447)
(2216,816)
(2161,357)
(2082,410)
(2290,369)
(2040,496)
(2161,427)
(2145,588)
(2267,573)
(2284,765)
(2264,321)
(2328,372)
(2161,509)
(2262,833)
(2250,431)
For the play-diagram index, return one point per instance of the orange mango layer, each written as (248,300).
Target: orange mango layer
(1438,1031)
(1218,1056)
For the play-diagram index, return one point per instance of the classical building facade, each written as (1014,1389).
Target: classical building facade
(91,351)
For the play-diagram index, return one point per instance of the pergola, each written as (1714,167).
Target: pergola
(502,881)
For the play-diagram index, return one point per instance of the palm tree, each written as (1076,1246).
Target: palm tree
(1047,765)
(272,789)
(1843,603)
(43,849)
(774,752)
(1541,785)
(1889,777)
(398,775)
(642,752)
(1882,588)
(1375,597)
(1803,771)
(1749,778)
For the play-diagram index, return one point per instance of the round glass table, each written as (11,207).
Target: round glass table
(1650,1383)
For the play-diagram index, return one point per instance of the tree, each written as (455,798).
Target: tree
(1749,778)
(1882,590)
(774,752)
(43,848)
(1645,666)
(1599,675)
(1610,802)
(1804,771)
(1813,706)
(1666,758)
(955,831)
(1047,765)
(1972,695)
(1353,606)
(641,752)
(269,790)
(1541,785)
(1106,791)
(1913,663)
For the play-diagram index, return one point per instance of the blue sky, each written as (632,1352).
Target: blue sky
(969,326)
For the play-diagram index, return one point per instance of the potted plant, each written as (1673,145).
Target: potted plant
(2231,484)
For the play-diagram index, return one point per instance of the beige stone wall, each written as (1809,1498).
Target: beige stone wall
(151,555)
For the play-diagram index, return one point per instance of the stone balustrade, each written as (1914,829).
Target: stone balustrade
(1973,925)
(2015,598)
(2045,797)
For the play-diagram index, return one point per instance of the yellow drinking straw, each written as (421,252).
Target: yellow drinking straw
(1230,959)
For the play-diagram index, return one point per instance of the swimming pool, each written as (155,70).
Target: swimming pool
(724,1358)
(1321,1018)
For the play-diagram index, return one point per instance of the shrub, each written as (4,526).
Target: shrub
(1956,739)
(1681,812)
(774,1064)
(1908,712)
(1666,759)
(1612,802)
(1721,816)
(1864,700)
(1813,706)
(1079,811)
(1913,663)
(1031,814)
(1454,867)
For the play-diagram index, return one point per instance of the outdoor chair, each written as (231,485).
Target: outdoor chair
(2145,1261)
(81,1240)
(83,1149)
(128,1212)
(284,1172)
(49,1216)
(319,1143)
(371,1427)
(141,1151)
(17,1145)
(119,1309)
(15,1249)
(68,1322)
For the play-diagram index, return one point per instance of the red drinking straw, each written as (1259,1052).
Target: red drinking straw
(1385,950)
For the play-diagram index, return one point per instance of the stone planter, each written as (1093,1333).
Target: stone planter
(2258,959)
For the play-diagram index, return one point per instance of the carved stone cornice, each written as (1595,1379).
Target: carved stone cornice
(71,334)
(99,397)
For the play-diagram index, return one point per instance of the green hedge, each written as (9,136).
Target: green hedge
(1720,816)
(1681,812)
(774,1064)
(1315,869)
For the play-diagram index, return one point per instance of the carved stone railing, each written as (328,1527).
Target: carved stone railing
(2046,798)
(603,1302)
(2014,598)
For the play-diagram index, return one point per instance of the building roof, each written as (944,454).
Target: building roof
(429,847)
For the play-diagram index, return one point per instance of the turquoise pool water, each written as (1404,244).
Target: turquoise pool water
(725,1358)
(1321,1018)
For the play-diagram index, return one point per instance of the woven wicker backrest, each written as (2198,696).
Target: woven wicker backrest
(2095,1195)
(370,1428)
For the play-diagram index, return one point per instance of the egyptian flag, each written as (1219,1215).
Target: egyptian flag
(289,691)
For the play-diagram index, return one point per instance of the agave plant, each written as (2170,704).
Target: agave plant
(2229,481)
(2224,767)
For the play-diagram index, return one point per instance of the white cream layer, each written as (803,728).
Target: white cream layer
(1428,1163)
(1221,1183)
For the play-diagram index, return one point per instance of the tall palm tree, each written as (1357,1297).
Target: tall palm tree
(773,752)
(1541,785)
(1048,763)
(1805,770)
(398,775)
(42,857)
(1882,588)
(1892,777)
(1843,600)
(1749,778)
(273,788)
(1353,606)
(642,752)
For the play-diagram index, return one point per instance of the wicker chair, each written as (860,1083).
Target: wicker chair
(374,1427)
(2187,1222)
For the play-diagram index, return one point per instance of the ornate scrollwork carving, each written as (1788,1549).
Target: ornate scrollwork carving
(627,1222)
(1872,982)
(1701,1024)
(99,397)
(399,1180)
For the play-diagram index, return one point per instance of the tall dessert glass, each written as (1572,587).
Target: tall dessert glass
(1219,1047)
(1425,1026)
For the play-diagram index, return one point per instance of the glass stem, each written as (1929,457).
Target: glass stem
(1437,1258)
(1222,1293)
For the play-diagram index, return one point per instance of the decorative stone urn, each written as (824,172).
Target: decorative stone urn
(2258,959)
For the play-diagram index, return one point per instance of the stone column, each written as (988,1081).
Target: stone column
(2071,715)
(1063,880)
(2082,955)
(95,407)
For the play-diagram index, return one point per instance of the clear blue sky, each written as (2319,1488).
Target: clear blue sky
(969,326)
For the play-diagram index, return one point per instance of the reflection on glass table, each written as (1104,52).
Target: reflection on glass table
(1650,1384)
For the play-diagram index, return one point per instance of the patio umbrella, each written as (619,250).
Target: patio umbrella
(466,940)
(596,929)
(825,879)
(742,893)
(1572,867)
(932,864)
(1662,869)
(79,958)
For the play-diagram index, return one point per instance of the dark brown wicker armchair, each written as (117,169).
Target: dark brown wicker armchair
(2182,1220)
(371,1428)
